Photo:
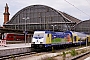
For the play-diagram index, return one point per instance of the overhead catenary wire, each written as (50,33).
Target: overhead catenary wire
(77,8)
(88,2)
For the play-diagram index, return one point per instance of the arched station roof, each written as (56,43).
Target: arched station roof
(27,12)
(83,26)
(40,17)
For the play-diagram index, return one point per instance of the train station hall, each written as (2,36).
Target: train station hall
(42,17)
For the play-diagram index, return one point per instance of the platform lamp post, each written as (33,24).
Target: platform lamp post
(53,27)
(25,28)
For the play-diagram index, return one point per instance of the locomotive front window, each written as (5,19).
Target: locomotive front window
(38,37)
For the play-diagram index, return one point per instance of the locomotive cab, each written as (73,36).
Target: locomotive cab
(41,39)
(38,38)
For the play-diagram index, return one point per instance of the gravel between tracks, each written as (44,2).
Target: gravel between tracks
(56,55)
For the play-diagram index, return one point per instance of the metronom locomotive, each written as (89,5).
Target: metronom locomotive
(48,39)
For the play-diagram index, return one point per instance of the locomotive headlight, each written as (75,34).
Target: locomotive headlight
(40,46)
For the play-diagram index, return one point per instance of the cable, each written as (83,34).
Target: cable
(88,2)
(77,8)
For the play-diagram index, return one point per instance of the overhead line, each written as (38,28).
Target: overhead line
(77,8)
(88,2)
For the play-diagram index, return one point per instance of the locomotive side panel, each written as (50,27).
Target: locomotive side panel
(48,38)
(61,37)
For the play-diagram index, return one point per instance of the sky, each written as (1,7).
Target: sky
(77,8)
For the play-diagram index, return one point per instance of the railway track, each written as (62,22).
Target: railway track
(48,54)
(16,55)
(30,54)
(81,56)
(8,57)
(20,55)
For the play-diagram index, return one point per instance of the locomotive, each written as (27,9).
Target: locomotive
(49,39)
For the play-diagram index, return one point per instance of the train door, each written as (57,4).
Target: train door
(88,40)
(48,39)
(75,38)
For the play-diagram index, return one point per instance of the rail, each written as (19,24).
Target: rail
(79,56)
(16,55)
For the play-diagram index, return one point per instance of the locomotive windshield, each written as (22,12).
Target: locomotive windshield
(38,36)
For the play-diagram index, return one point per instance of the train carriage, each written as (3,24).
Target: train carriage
(49,39)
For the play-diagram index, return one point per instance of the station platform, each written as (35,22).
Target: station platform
(11,46)
(10,49)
